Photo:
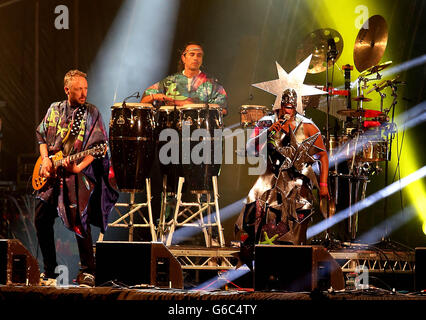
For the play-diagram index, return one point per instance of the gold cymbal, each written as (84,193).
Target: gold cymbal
(361,98)
(370,43)
(375,69)
(316,43)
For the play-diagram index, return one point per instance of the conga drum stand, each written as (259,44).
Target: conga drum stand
(168,201)
(186,216)
(127,220)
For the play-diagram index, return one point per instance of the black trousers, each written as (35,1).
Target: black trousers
(45,215)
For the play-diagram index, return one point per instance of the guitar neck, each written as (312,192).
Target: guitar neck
(73,157)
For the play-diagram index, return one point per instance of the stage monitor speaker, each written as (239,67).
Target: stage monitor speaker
(137,263)
(420,269)
(296,268)
(17,265)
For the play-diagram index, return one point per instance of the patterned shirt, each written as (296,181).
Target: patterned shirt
(201,89)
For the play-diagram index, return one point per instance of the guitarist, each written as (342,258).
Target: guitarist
(79,192)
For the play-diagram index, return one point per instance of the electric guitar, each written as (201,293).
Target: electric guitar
(58,160)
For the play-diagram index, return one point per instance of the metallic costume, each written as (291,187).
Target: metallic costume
(281,200)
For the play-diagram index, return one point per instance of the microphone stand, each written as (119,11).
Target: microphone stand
(133,95)
(391,131)
(331,55)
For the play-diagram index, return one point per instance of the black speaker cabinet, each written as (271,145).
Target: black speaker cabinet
(17,265)
(137,263)
(420,269)
(296,268)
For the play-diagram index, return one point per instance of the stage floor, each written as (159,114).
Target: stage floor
(234,300)
(164,303)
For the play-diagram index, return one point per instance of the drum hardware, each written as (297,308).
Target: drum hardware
(379,87)
(361,98)
(200,179)
(336,92)
(363,113)
(375,69)
(318,43)
(368,50)
(134,207)
(251,114)
(132,150)
(184,215)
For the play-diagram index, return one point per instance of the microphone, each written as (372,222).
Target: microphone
(278,125)
(332,49)
(133,95)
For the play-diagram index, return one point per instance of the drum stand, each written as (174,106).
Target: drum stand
(122,221)
(184,215)
(168,201)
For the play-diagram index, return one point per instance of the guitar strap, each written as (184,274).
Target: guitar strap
(74,129)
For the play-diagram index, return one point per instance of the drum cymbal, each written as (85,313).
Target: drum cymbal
(375,69)
(365,113)
(361,98)
(370,43)
(316,43)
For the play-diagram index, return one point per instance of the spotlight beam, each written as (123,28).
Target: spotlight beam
(406,120)
(399,68)
(222,279)
(227,212)
(367,202)
(387,227)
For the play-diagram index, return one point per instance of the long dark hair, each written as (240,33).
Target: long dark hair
(180,65)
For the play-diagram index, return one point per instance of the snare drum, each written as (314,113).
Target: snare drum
(342,147)
(250,114)
(132,142)
(374,151)
(333,146)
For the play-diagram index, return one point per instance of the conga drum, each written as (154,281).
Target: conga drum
(132,143)
(199,160)
(167,117)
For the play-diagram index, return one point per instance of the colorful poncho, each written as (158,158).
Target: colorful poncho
(88,196)
(202,89)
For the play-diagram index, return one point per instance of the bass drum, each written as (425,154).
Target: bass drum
(132,143)
(200,158)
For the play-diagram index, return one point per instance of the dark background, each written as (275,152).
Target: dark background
(242,40)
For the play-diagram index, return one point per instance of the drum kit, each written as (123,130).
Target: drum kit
(363,141)
(135,145)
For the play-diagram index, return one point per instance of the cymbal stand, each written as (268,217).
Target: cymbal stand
(389,140)
(354,174)
(121,222)
(332,53)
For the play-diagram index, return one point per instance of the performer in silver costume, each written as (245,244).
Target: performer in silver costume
(280,203)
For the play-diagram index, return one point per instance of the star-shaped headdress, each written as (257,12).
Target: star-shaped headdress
(294,80)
